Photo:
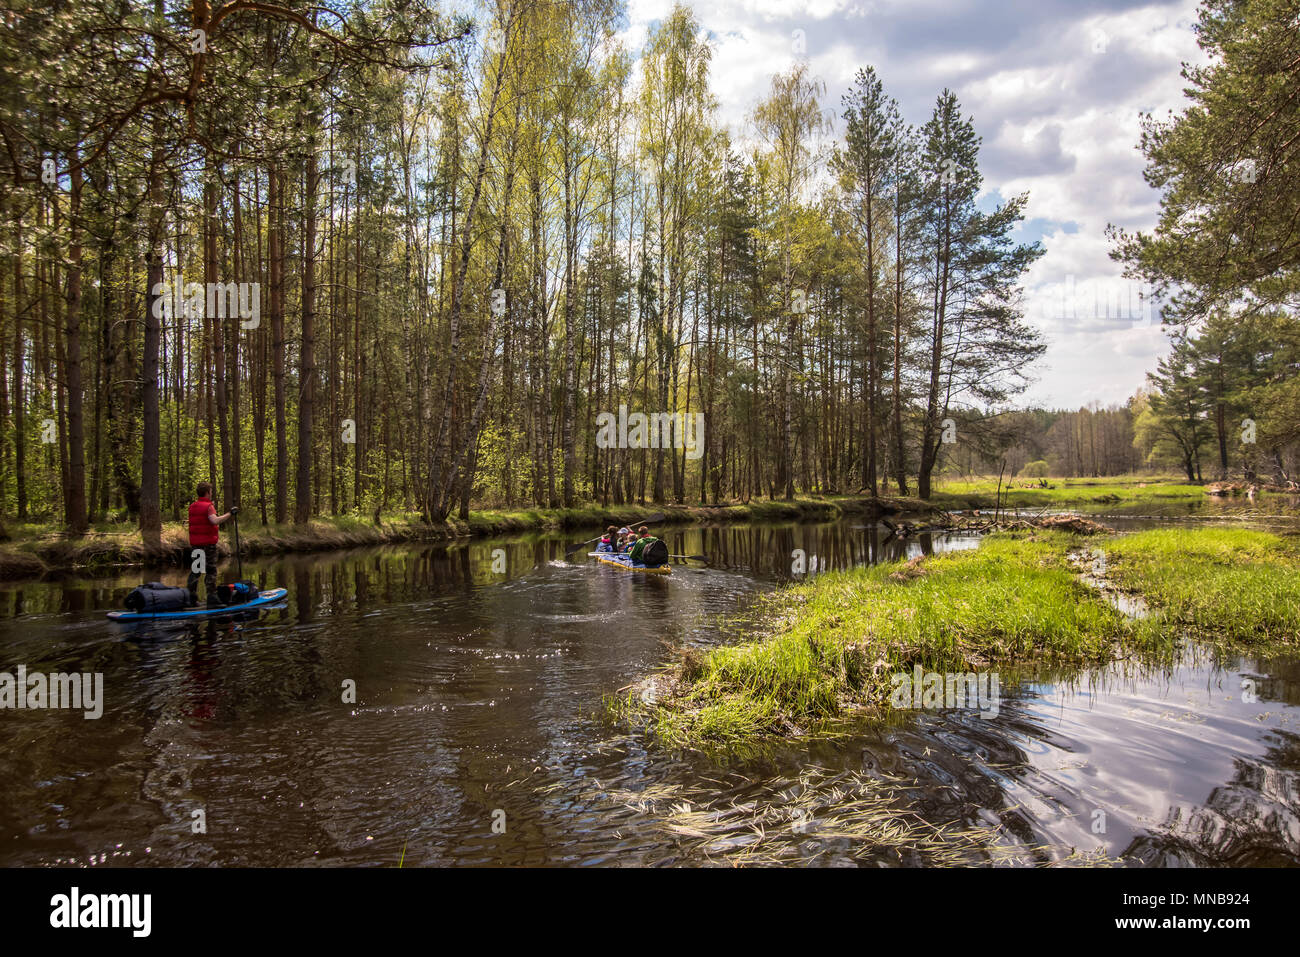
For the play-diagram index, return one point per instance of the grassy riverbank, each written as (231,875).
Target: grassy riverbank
(831,645)
(594,516)
(1114,495)
(1119,493)
(34,550)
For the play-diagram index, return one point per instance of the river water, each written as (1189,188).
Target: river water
(477,733)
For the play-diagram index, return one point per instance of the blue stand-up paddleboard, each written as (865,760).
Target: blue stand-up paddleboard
(154,601)
(261,601)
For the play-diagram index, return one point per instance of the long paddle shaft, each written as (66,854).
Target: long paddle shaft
(239,559)
(573,548)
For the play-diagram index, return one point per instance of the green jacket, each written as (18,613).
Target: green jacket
(640,545)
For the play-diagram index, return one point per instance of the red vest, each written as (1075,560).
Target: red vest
(202,532)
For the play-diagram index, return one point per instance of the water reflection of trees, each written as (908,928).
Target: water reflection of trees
(329,585)
(971,771)
(768,550)
(1252,821)
(326,583)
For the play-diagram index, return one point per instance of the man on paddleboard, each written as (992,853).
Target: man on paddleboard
(204,523)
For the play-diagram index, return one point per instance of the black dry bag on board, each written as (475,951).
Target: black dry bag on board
(654,554)
(155,596)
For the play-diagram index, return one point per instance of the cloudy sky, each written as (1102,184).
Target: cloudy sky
(1055,89)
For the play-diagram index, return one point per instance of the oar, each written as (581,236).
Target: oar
(573,548)
(657,517)
(696,558)
(239,559)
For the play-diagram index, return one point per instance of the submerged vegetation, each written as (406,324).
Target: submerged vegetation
(821,818)
(832,646)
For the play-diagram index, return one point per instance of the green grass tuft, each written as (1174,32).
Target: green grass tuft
(831,646)
(1224,585)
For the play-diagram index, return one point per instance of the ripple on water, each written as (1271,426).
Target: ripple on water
(478,693)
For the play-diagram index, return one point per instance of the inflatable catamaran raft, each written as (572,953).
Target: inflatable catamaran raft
(655,554)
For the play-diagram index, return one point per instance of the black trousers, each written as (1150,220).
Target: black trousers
(210,569)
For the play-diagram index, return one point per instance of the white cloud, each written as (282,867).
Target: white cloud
(1055,88)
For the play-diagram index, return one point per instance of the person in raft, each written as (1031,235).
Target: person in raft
(625,539)
(204,522)
(610,542)
(644,538)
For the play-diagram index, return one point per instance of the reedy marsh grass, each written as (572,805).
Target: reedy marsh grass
(828,648)
(1231,587)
